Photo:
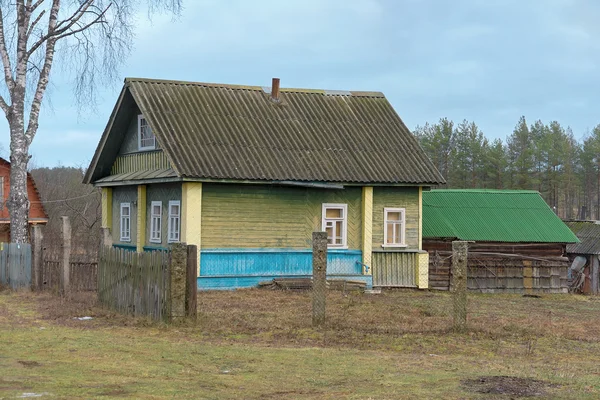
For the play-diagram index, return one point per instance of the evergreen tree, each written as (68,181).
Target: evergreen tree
(520,157)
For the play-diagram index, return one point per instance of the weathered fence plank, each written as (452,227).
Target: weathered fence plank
(135,283)
(15,265)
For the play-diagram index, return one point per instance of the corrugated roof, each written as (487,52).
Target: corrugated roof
(140,175)
(492,216)
(218,131)
(589,234)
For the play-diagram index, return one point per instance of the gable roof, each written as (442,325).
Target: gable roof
(492,216)
(217,131)
(37,211)
(588,233)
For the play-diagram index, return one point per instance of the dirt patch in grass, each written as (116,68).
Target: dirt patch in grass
(29,364)
(510,386)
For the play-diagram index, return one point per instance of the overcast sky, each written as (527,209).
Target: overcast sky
(489,61)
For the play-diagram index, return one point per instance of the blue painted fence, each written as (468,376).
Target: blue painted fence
(15,265)
(240,268)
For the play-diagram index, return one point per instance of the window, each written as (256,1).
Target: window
(335,217)
(155,221)
(125,222)
(146,140)
(174,218)
(393,234)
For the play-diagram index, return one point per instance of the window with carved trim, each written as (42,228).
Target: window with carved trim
(146,139)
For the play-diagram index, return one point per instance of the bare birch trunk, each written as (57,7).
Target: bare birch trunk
(99,32)
(18,202)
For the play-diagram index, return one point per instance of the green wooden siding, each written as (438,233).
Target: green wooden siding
(257,216)
(142,161)
(124,194)
(164,193)
(398,197)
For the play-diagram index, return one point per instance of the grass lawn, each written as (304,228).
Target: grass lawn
(259,345)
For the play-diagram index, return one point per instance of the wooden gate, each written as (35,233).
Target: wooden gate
(15,265)
(394,269)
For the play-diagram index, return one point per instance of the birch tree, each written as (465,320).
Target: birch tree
(91,37)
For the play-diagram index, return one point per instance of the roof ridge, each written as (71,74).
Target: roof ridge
(326,92)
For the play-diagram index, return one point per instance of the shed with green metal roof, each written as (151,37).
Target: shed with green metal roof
(515,235)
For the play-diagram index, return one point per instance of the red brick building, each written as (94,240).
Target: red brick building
(37,214)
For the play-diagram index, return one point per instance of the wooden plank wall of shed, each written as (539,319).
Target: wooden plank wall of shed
(489,273)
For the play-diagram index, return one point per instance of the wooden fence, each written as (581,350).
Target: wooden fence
(15,265)
(83,274)
(133,283)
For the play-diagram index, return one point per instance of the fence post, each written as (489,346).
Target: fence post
(65,259)
(37,262)
(105,238)
(319,258)
(459,284)
(178,272)
(191,292)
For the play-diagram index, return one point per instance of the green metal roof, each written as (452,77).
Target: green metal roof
(218,131)
(492,216)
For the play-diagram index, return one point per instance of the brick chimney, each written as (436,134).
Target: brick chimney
(275,89)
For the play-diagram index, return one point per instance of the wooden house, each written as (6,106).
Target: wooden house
(37,214)
(247,173)
(519,244)
(585,256)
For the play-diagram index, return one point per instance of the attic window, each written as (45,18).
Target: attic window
(146,140)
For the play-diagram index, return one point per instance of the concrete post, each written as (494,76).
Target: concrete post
(178,272)
(105,238)
(65,260)
(319,282)
(459,284)
(37,260)
(191,292)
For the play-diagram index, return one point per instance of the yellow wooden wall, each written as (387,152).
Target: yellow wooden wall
(147,160)
(264,216)
(400,197)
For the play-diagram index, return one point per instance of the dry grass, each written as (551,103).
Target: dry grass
(259,344)
(362,320)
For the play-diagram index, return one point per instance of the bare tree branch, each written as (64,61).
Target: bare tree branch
(98,20)
(58,29)
(4,106)
(34,114)
(34,23)
(5,58)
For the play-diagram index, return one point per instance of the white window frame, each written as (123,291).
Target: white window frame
(344,208)
(139,134)
(170,231)
(155,236)
(122,237)
(402,212)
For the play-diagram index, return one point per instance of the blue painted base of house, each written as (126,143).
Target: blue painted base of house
(226,269)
